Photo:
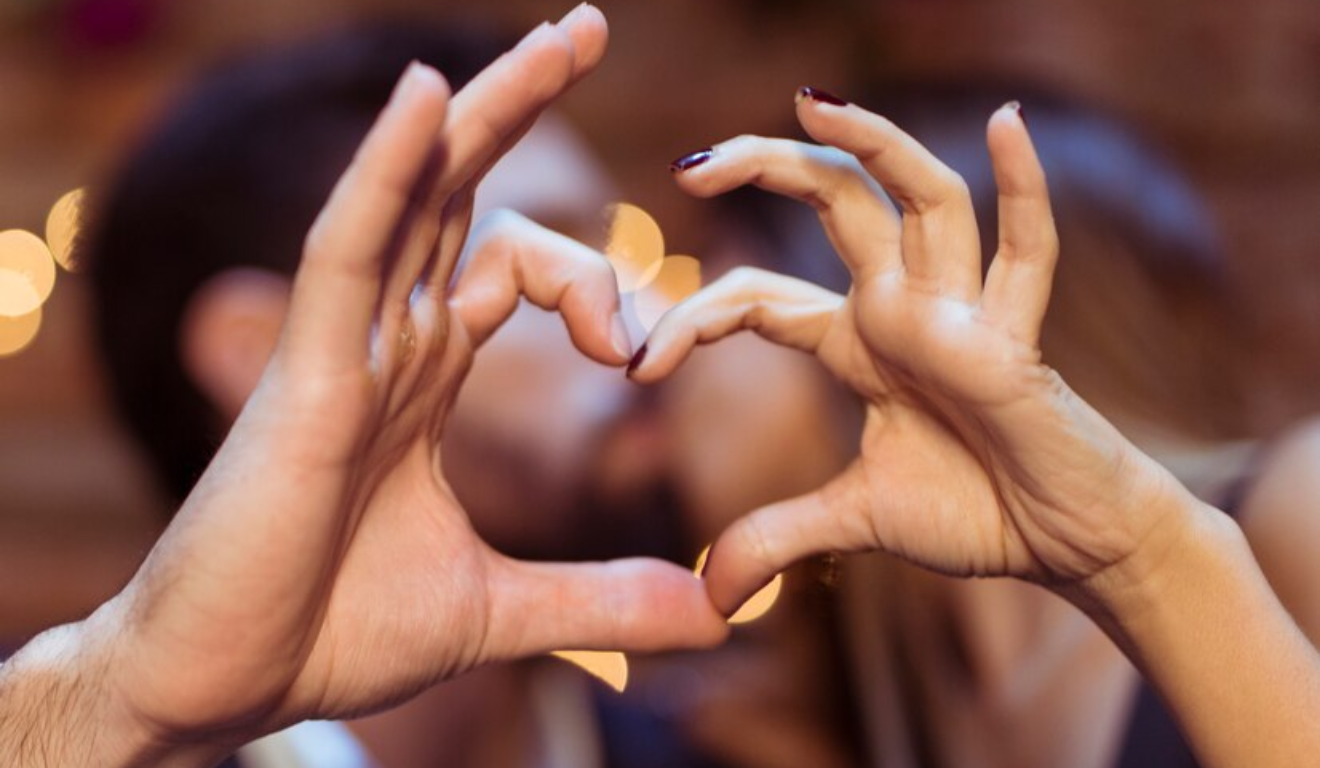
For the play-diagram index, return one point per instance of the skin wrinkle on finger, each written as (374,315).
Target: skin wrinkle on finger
(940,244)
(924,187)
(904,168)
(514,257)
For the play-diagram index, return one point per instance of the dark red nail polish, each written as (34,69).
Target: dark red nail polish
(816,94)
(636,361)
(688,162)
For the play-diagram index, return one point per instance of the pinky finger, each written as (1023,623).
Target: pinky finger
(784,310)
(1017,289)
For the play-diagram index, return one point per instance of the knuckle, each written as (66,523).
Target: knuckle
(873,149)
(743,278)
(496,230)
(947,187)
(755,315)
(498,221)
(956,187)
(742,142)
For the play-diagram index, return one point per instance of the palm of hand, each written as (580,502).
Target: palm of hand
(414,575)
(943,382)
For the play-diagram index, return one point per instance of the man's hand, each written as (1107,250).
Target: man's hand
(322,566)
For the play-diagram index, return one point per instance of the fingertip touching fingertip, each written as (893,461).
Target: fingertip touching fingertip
(636,361)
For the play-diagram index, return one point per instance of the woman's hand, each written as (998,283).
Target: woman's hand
(976,459)
(322,567)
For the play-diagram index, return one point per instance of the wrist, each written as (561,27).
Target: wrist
(56,708)
(62,703)
(1188,537)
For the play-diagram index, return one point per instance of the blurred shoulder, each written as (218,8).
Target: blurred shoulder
(1280,514)
(1287,479)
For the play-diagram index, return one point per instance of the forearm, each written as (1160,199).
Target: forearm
(1200,620)
(58,708)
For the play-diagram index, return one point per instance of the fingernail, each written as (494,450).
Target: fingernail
(619,337)
(411,76)
(816,94)
(636,361)
(1016,106)
(572,16)
(530,36)
(688,162)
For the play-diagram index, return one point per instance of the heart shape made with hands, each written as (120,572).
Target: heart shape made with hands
(651,283)
(657,283)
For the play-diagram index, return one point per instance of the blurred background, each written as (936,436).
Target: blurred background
(1229,91)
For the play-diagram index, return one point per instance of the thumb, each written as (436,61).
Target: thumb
(637,604)
(764,542)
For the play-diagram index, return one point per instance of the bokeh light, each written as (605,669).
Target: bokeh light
(759,604)
(27,273)
(16,333)
(62,228)
(610,667)
(678,278)
(635,247)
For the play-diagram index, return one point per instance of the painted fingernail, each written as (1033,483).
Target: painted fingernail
(619,337)
(816,94)
(688,162)
(636,361)
(1016,106)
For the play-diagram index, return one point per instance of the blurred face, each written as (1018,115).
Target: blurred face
(527,445)
(557,456)
(750,423)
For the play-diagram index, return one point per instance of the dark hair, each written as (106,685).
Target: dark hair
(233,175)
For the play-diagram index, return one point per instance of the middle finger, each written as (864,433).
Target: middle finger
(941,246)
